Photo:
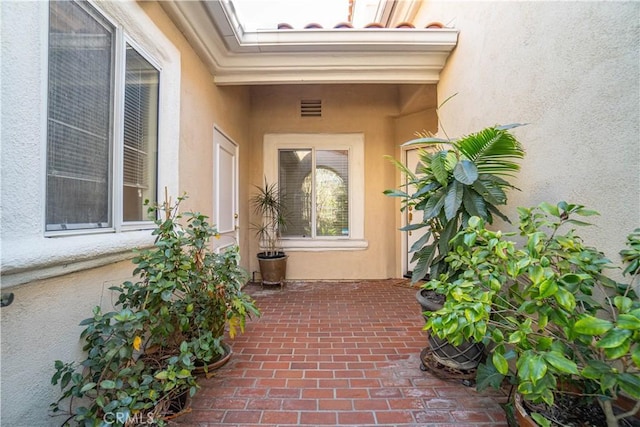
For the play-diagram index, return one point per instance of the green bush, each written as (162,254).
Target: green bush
(140,358)
(545,310)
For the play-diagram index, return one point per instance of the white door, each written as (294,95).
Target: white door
(225,190)
(410,217)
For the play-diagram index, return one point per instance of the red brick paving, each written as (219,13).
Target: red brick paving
(327,354)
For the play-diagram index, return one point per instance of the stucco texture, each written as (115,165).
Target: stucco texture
(571,71)
(373,110)
(41,325)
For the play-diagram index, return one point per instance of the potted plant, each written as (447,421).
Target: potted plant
(455,179)
(273,260)
(142,358)
(553,323)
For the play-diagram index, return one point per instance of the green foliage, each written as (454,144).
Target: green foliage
(141,357)
(546,311)
(455,180)
(268,204)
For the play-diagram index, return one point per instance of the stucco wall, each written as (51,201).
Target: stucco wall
(367,109)
(571,70)
(42,323)
(41,326)
(205,105)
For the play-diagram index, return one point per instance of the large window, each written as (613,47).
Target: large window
(102,123)
(321,182)
(314,186)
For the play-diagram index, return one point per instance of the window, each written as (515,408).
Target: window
(102,132)
(321,182)
(314,186)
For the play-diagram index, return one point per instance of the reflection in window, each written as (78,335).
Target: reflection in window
(314,186)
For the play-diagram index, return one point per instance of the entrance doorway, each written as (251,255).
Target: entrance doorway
(225,189)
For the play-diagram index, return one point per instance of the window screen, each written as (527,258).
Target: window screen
(79,118)
(81,142)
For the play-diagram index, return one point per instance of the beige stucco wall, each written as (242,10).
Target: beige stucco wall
(373,110)
(203,106)
(41,325)
(571,70)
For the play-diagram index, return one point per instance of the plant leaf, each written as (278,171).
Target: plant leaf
(630,383)
(465,172)
(108,384)
(561,363)
(614,338)
(500,363)
(422,241)
(438,166)
(541,420)
(488,376)
(453,200)
(592,326)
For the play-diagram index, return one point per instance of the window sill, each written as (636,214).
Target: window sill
(309,245)
(37,258)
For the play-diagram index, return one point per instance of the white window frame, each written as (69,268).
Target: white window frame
(121,39)
(354,143)
(33,254)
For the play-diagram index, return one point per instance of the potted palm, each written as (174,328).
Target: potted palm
(272,259)
(455,179)
(554,324)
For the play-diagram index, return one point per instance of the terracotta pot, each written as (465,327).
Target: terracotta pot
(273,270)
(207,371)
(522,417)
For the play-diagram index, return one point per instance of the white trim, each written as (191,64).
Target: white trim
(354,142)
(217,183)
(26,254)
(121,224)
(319,245)
(117,141)
(386,55)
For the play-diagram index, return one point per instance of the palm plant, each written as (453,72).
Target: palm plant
(267,203)
(455,179)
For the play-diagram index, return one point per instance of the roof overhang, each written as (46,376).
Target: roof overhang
(370,55)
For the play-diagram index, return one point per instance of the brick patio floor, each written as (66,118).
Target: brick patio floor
(336,354)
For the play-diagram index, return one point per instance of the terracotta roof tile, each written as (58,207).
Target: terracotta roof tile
(348,25)
(405,25)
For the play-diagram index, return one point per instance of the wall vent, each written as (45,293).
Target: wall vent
(311,108)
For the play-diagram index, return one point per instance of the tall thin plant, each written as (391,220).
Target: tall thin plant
(268,205)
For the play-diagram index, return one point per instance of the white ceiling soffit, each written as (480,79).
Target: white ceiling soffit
(236,57)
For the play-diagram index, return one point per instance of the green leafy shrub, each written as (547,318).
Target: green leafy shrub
(140,358)
(455,180)
(545,310)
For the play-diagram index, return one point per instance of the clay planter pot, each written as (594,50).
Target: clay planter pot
(207,371)
(590,414)
(522,417)
(273,269)
(466,356)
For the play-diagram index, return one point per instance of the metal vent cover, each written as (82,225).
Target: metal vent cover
(311,108)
